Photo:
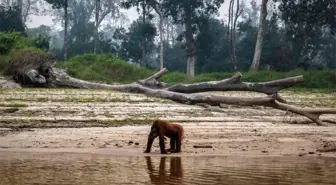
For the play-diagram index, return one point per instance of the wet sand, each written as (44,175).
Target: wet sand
(233,131)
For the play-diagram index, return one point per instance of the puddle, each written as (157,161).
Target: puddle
(18,168)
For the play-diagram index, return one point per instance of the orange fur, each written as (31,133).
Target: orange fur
(161,128)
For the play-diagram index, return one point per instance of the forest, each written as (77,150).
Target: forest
(243,77)
(183,36)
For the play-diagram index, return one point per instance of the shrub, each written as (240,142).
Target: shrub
(14,40)
(18,61)
(105,68)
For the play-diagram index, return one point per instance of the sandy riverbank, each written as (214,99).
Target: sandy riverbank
(234,131)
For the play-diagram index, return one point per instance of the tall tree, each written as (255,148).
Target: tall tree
(145,14)
(211,45)
(185,11)
(58,4)
(96,37)
(233,38)
(10,19)
(231,33)
(20,6)
(131,41)
(158,9)
(32,7)
(312,13)
(259,43)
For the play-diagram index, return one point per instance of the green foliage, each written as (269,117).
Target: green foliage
(212,45)
(41,42)
(104,68)
(40,36)
(12,47)
(14,40)
(17,105)
(179,9)
(175,57)
(110,69)
(10,19)
(57,4)
(175,77)
(311,14)
(131,40)
(18,60)
(17,41)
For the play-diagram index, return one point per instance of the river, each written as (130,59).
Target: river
(30,168)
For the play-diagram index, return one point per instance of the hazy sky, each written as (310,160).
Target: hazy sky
(132,15)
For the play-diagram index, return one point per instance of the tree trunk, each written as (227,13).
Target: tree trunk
(168,32)
(19,3)
(161,44)
(229,21)
(229,31)
(26,12)
(96,27)
(259,43)
(143,40)
(233,39)
(65,44)
(161,34)
(191,46)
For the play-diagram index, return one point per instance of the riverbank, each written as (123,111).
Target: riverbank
(113,123)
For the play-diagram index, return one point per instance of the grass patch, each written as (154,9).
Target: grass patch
(42,99)
(17,105)
(92,99)
(19,123)
(110,69)
(119,123)
(304,90)
(104,68)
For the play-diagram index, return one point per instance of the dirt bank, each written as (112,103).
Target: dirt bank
(26,116)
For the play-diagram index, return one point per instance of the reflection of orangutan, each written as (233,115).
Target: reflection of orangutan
(161,177)
(162,128)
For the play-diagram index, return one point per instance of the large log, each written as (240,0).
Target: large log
(40,71)
(61,78)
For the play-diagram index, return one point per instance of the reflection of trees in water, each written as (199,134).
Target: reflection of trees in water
(86,169)
(159,177)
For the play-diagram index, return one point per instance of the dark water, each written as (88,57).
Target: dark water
(77,169)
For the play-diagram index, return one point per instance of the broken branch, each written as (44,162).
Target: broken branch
(235,84)
(152,81)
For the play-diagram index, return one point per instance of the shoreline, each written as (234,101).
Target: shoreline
(231,131)
(135,153)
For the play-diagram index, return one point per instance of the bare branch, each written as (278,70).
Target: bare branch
(234,84)
(152,81)
(106,12)
(26,13)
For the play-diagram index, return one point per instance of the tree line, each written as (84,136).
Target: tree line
(186,35)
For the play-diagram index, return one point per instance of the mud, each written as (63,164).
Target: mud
(121,117)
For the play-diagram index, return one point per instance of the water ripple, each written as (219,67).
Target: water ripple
(87,169)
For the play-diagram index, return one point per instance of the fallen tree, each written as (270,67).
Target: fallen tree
(46,75)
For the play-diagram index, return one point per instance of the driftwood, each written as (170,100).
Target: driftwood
(202,146)
(189,93)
